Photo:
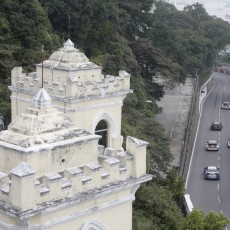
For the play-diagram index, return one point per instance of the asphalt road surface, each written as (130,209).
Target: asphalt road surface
(210,195)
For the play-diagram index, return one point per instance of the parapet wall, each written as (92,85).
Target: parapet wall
(72,87)
(112,166)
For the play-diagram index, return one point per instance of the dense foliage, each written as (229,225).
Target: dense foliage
(197,220)
(24,28)
(147,40)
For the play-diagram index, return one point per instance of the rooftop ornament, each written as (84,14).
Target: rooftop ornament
(42,99)
(68,44)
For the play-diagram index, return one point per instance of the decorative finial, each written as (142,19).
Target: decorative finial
(68,44)
(42,99)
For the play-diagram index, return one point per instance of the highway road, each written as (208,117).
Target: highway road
(210,195)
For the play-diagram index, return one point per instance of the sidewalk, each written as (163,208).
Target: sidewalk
(176,105)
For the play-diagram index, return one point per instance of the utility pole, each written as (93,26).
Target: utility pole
(42,62)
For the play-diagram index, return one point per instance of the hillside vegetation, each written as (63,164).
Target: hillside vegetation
(146,38)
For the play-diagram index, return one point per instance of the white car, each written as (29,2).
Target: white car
(228,143)
(225,105)
(212,145)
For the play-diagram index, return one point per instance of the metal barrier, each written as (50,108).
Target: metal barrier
(188,203)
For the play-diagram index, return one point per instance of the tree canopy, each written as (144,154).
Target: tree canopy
(197,220)
(148,39)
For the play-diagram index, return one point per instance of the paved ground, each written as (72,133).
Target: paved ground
(176,105)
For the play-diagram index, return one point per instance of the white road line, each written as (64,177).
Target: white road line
(218,186)
(219,199)
(218,157)
(218,166)
(198,125)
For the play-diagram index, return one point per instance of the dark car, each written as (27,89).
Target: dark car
(217,126)
(211,173)
(212,145)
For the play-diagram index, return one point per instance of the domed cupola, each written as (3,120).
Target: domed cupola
(40,124)
(69,58)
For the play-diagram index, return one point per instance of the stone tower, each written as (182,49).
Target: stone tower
(78,88)
(53,173)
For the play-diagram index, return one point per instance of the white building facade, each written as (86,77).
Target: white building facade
(53,173)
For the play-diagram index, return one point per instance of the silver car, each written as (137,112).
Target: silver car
(225,105)
(212,145)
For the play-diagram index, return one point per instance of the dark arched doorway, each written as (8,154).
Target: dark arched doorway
(102,130)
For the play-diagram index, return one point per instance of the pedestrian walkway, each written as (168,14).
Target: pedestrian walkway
(176,105)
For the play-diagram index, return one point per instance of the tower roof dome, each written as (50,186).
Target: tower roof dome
(69,58)
(41,124)
(42,118)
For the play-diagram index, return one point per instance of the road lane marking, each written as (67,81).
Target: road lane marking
(219,199)
(218,186)
(216,99)
(198,126)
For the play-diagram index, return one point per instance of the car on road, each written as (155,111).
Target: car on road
(212,145)
(211,173)
(228,143)
(216,126)
(225,105)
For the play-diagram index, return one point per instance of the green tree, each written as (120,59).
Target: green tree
(5,108)
(156,203)
(153,61)
(215,221)
(197,220)
(198,14)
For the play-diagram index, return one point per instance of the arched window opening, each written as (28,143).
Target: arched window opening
(1,122)
(102,130)
(93,225)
